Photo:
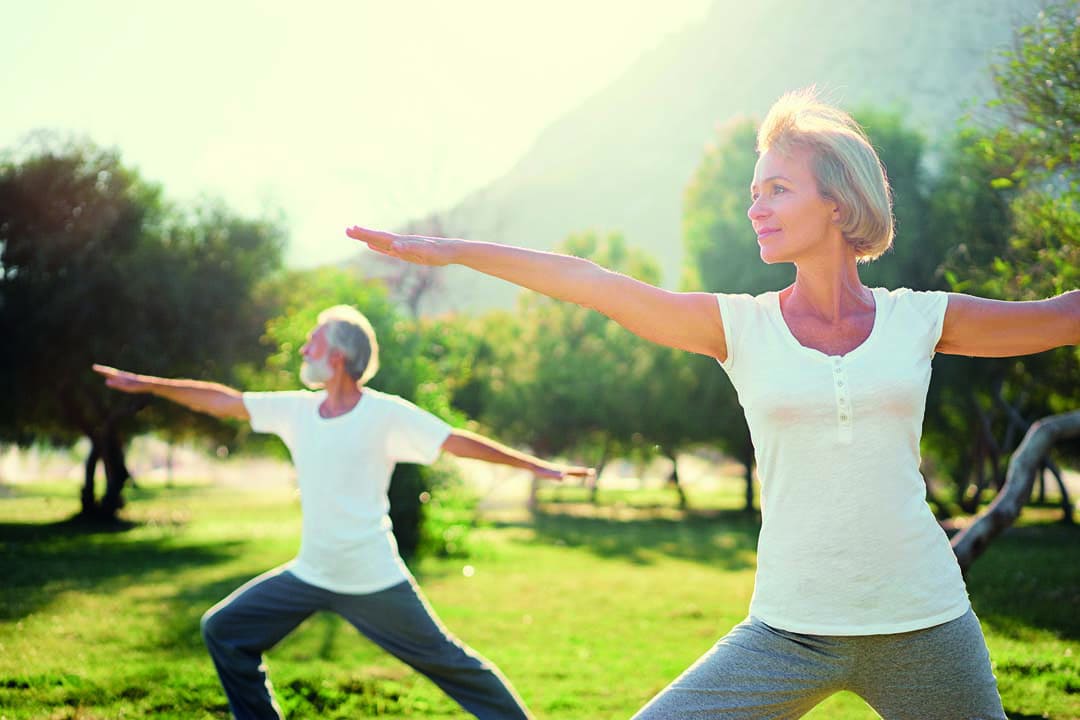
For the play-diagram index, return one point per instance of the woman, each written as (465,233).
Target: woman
(857,587)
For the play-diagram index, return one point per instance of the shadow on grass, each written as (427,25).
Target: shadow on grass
(179,631)
(1029,577)
(40,560)
(723,539)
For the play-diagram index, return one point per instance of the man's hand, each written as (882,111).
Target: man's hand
(122,380)
(463,443)
(210,398)
(561,472)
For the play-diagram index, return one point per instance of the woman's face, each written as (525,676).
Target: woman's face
(789,215)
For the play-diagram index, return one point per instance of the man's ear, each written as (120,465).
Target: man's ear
(335,359)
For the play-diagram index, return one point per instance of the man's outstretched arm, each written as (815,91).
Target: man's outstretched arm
(205,397)
(470,445)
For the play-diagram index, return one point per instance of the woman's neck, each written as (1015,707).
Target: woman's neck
(829,291)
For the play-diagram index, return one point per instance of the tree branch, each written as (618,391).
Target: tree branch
(1003,511)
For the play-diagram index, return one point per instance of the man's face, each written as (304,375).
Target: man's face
(316,370)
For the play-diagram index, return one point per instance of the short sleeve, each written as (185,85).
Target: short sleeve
(735,313)
(931,306)
(414,435)
(274,412)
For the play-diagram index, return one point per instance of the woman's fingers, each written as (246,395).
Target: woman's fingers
(375,239)
(414,249)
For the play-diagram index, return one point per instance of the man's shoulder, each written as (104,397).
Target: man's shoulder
(285,395)
(394,405)
(384,399)
(281,400)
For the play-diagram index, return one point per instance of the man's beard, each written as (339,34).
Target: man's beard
(315,373)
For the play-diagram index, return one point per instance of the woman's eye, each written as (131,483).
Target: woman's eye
(777,189)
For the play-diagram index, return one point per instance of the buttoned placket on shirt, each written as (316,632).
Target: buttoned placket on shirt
(842,389)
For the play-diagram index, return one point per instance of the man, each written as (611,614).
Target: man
(344,440)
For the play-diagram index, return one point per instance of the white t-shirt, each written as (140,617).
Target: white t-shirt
(343,466)
(848,545)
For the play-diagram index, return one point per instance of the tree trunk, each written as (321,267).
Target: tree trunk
(89,500)
(1066,502)
(1016,420)
(534,488)
(594,491)
(969,499)
(116,475)
(106,447)
(986,455)
(747,461)
(1003,511)
(674,478)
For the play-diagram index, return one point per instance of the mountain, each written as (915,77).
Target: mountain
(621,160)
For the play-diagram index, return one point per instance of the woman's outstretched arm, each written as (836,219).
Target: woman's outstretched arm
(689,321)
(979,327)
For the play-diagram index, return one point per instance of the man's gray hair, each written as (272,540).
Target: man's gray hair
(350,333)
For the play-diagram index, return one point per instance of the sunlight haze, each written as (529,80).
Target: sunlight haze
(366,112)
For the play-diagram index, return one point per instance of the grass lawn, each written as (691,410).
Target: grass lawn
(589,613)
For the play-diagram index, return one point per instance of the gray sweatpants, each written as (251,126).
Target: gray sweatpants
(757,672)
(260,613)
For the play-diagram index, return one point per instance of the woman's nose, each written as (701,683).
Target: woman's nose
(756,210)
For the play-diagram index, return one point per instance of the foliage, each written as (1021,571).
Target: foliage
(721,251)
(566,379)
(95,266)
(1010,199)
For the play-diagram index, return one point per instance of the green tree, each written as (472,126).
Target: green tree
(720,248)
(568,379)
(97,267)
(1019,237)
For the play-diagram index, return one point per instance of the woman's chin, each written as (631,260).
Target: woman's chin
(771,258)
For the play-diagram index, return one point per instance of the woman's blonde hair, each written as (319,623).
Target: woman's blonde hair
(348,331)
(844,163)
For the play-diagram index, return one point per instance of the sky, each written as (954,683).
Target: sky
(366,112)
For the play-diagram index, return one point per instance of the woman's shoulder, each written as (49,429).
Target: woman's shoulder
(763,299)
(929,305)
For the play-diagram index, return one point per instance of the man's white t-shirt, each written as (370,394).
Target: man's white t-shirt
(848,545)
(343,467)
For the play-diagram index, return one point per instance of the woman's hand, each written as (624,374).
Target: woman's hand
(411,248)
(688,321)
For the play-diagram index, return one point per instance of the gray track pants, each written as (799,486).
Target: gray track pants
(259,614)
(757,672)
